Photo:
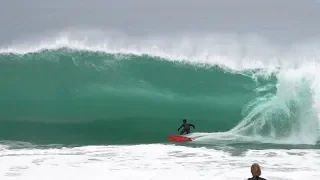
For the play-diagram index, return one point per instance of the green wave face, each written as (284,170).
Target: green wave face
(83,97)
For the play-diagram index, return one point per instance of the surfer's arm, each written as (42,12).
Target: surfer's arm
(192,126)
(180,127)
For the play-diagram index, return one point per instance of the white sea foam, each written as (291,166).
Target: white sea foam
(155,162)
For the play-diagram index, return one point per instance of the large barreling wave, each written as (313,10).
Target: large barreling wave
(112,88)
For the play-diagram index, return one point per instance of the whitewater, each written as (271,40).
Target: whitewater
(100,105)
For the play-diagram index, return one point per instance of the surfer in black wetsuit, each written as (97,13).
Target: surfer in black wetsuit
(186,127)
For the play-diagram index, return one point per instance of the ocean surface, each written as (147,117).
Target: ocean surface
(72,109)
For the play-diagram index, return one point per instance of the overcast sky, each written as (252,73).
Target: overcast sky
(288,20)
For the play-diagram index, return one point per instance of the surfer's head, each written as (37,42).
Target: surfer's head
(255,170)
(184,121)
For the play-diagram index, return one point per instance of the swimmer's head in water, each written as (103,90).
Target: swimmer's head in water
(255,170)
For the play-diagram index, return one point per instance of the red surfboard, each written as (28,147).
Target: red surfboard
(179,138)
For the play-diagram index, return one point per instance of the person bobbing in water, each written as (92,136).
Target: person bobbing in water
(186,127)
(256,172)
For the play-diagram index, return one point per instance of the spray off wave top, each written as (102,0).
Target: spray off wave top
(228,50)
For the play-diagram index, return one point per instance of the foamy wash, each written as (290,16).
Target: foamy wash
(127,95)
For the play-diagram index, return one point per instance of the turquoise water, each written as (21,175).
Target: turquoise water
(69,96)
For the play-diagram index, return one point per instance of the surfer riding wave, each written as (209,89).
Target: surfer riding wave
(186,127)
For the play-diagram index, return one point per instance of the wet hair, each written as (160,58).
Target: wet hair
(255,170)
(184,120)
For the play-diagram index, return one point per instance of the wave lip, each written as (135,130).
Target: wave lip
(229,51)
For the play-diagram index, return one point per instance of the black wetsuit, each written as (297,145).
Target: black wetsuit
(186,128)
(256,178)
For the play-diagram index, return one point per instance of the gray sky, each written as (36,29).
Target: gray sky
(287,20)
